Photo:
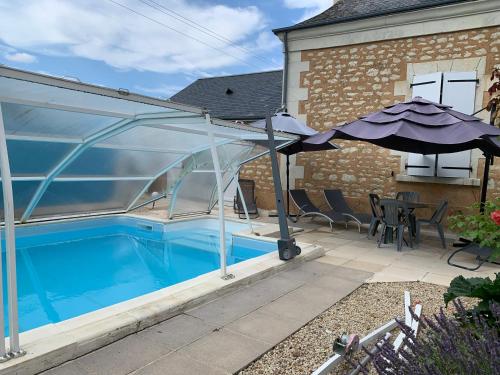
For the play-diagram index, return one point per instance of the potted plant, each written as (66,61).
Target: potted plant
(481,228)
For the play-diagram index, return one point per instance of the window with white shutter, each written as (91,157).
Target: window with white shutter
(428,86)
(457,89)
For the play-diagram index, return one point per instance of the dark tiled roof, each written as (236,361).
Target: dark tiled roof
(351,10)
(236,97)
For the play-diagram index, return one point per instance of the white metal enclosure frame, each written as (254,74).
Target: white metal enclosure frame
(70,149)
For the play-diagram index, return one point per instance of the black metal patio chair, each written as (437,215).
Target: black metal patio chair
(377,214)
(392,220)
(338,204)
(307,208)
(248,191)
(411,196)
(435,220)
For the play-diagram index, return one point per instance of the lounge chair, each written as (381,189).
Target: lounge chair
(308,208)
(482,254)
(339,205)
(248,190)
(435,220)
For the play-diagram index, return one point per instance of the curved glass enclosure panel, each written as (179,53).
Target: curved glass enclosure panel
(82,197)
(197,190)
(23,192)
(97,161)
(77,149)
(26,120)
(144,137)
(194,194)
(33,158)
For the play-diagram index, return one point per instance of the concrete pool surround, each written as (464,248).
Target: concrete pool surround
(52,344)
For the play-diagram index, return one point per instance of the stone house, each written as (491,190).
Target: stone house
(361,55)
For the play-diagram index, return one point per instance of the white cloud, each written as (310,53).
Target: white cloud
(267,39)
(100,30)
(162,91)
(311,7)
(21,57)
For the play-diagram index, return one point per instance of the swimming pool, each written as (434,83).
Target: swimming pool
(71,268)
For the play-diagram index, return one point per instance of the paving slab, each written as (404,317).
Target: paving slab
(176,332)
(309,271)
(123,356)
(226,349)
(338,285)
(70,368)
(333,260)
(306,302)
(347,273)
(366,266)
(265,327)
(348,251)
(229,308)
(178,364)
(393,273)
(435,278)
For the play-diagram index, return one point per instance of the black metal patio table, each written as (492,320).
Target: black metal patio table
(413,205)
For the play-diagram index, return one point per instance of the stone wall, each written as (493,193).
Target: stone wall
(346,82)
(260,171)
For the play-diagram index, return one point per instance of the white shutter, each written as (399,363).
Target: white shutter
(428,86)
(459,91)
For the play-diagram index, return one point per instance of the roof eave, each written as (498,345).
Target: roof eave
(241,118)
(358,18)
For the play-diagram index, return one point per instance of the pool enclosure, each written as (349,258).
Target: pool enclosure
(69,149)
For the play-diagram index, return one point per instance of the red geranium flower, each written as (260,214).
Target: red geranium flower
(495,216)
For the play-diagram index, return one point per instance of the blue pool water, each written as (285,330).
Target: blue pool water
(68,269)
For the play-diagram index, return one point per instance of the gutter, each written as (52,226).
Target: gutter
(363,17)
(285,72)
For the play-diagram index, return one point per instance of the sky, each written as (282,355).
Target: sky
(152,47)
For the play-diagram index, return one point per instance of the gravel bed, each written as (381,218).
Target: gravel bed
(368,307)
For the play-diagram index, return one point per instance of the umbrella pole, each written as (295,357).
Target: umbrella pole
(287,248)
(287,185)
(486,174)
(484,186)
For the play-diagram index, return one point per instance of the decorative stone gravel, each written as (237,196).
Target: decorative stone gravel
(368,307)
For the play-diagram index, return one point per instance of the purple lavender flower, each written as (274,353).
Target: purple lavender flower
(446,346)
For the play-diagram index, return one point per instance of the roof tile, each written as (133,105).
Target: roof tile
(350,10)
(235,97)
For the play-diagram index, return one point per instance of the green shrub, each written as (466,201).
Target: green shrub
(487,290)
(480,228)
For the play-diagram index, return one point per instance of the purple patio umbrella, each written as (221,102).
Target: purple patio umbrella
(419,126)
(285,122)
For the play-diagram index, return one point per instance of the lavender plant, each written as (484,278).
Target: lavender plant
(444,347)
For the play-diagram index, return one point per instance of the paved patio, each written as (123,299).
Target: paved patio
(426,262)
(351,249)
(226,334)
